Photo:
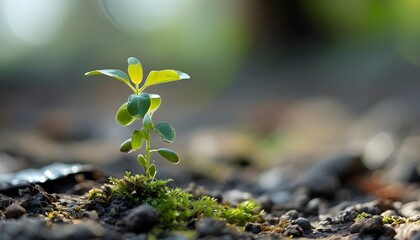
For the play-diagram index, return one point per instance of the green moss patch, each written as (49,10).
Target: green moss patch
(175,206)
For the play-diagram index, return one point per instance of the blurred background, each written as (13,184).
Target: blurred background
(274,84)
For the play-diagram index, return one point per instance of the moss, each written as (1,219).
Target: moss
(394,220)
(361,216)
(175,206)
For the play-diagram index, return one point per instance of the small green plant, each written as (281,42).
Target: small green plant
(141,106)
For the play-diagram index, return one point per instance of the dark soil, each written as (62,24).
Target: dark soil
(310,209)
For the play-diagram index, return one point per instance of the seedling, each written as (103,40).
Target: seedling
(141,106)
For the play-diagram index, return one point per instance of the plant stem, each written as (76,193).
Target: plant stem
(147,131)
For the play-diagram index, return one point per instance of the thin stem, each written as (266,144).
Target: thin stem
(147,151)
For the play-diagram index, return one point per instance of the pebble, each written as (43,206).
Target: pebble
(92,215)
(345,216)
(253,227)
(410,209)
(14,211)
(303,223)
(372,228)
(210,227)
(290,215)
(141,219)
(293,231)
(327,176)
(313,206)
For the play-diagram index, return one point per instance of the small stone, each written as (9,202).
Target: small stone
(345,216)
(253,227)
(266,203)
(290,215)
(293,231)
(141,219)
(372,228)
(410,209)
(210,227)
(303,223)
(93,215)
(313,206)
(14,211)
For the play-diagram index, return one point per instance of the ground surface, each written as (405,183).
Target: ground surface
(313,209)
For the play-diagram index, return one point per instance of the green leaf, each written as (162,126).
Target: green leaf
(155,102)
(169,155)
(123,117)
(142,160)
(126,146)
(138,105)
(164,76)
(165,131)
(147,121)
(152,170)
(114,73)
(135,70)
(137,139)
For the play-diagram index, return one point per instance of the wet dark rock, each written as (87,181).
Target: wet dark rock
(210,227)
(293,231)
(345,216)
(253,227)
(372,228)
(410,209)
(141,219)
(14,211)
(303,223)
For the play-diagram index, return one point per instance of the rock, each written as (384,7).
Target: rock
(265,202)
(210,227)
(14,211)
(372,228)
(328,175)
(4,202)
(92,215)
(345,216)
(416,236)
(290,215)
(410,209)
(313,206)
(253,227)
(141,219)
(303,223)
(234,197)
(293,231)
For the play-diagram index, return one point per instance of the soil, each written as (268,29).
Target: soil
(312,208)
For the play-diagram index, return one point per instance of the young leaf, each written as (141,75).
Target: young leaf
(123,117)
(152,170)
(164,76)
(126,146)
(142,160)
(135,70)
(114,73)
(169,155)
(155,102)
(137,139)
(147,121)
(165,131)
(138,105)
